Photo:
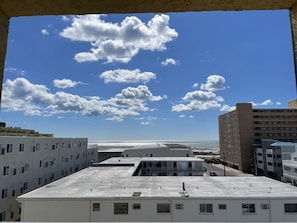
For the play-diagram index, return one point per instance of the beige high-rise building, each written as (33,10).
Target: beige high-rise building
(240,129)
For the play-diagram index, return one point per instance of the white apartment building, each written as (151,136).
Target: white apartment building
(157,150)
(268,159)
(147,150)
(112,193)
(27,163)
(289,151)
(290,170)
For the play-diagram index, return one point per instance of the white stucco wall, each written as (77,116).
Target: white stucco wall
(81,210)
(56,210)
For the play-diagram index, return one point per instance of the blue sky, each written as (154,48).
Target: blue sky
(144,76)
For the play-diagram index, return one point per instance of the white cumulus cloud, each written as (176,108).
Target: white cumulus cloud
(65,83)
(204,98)
(33,99)
(264,103)
(44,32)
(145,123)
(214,83)
(195,85)
(227,108)
(127,76)
(169,61)
(118,42)
(115,119)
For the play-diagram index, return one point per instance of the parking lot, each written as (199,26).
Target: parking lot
(219,170)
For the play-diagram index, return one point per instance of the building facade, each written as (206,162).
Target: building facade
(113,193)
(27,163)
(290,170)
(158,150)
(268,159)
(289,161)
(148,150)
(17,131)
(241,129)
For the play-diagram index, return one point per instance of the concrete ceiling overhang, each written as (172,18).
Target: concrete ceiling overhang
(13,8)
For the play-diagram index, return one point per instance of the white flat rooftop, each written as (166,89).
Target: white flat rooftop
(117,181)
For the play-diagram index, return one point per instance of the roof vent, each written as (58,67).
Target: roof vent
(136,194)
(184,193)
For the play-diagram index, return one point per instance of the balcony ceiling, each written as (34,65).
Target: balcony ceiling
(14,8)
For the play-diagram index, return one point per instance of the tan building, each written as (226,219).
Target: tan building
(240,129)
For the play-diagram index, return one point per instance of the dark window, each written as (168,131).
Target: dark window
(11,215)
(137,206)
(248,208)
(6,170)
(9,148)
(96,206)
(264,206)
(205,208)
(120,208)
(2,216)
(222,206)
(4,193)
(179,206)
(22,147)
(163,208)
(290,208)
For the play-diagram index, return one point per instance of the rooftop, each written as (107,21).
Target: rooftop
(117,181)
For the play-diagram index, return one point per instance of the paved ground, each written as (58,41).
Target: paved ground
(219,169)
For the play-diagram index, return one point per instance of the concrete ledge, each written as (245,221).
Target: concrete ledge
(13,8)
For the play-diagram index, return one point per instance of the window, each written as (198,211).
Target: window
(39,180)
(2,216)
(222,206)
(264,206)
(27,165)
(163,208)
(248,208)
(137,206)
(5,170)
(287,168)
(4,193)
(179,206)
(11,215)
(22,147)
(205,208)
(9,148)
(290,208)
(25,185)
(13,193)
(120,208)
(96,206)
